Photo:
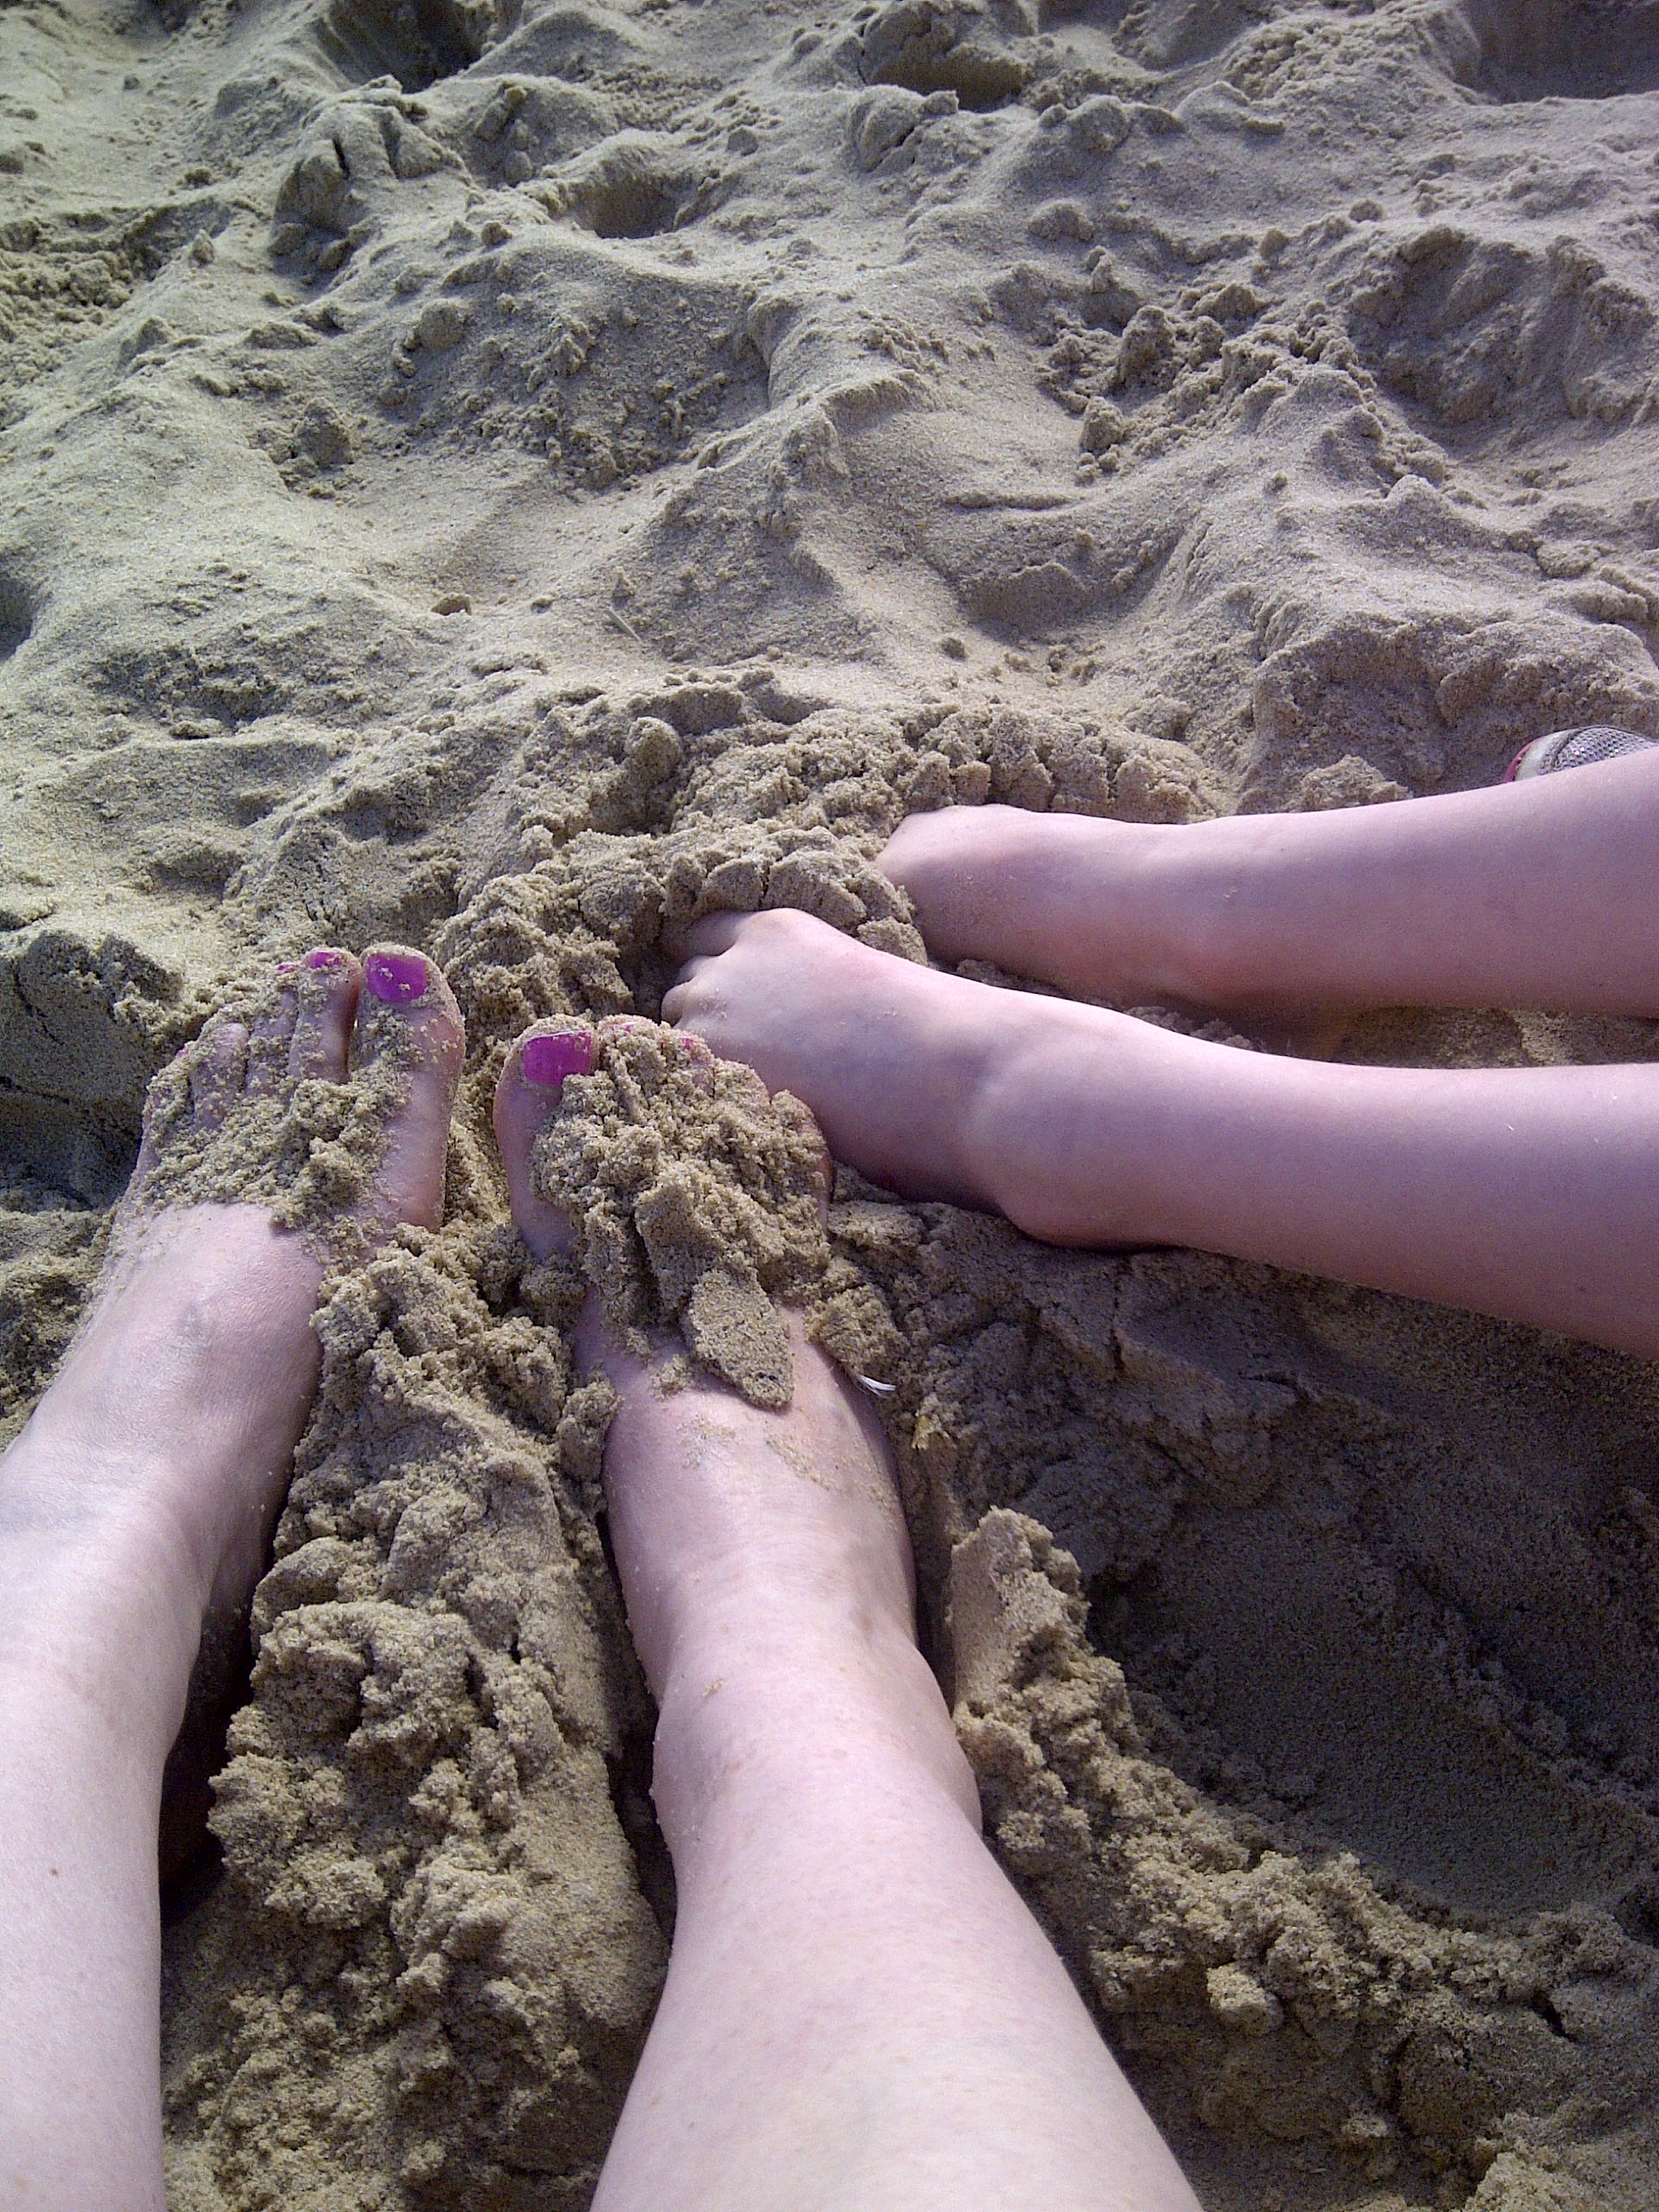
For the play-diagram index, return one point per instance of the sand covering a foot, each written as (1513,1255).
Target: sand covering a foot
(695,1200)
(509,480)
(224,1125)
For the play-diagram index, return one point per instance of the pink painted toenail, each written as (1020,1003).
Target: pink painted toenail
(287,967)
(322,958)
(550,1059)
(395,977)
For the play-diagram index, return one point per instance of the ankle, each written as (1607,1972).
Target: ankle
(1078,1131)
(803,1711)
(100,1622)
(139,1508)
(1215,886)
(1154,914)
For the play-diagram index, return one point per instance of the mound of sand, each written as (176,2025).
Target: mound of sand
(695,1202)
(513,478)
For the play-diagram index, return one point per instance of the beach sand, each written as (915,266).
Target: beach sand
(512,481)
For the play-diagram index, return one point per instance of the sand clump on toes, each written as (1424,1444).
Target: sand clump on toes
(513,479)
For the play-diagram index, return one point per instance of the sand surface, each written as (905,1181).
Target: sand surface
(511,480)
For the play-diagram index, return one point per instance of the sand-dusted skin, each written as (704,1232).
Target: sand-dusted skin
(223,1124)
(1221,1452)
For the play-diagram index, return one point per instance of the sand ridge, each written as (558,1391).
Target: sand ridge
(515,480)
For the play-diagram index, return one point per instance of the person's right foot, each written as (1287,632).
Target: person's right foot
(762,1554)
(148,1476)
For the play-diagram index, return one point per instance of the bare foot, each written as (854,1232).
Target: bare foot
(1123,912)
(935,1086)
(151,1472)
(739,1533)
(858,2010)
(893,1058)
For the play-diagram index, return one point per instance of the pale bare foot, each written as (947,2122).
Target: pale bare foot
(152,1470)
(740,1534)
(135,1509)
(893,1058)
(1122,913)
(859,2012)
(935,1086)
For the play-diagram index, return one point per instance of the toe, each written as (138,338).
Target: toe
(742,1085)
(802,1119)
(327,990)
(270,1037)
(219,1071)
(525,1097)
(161,1102)
(406,1015)
(683,998)
(700,1063)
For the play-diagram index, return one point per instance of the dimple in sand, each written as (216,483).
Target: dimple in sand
(843,1934)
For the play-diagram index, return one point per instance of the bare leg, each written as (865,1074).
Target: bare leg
(140,1496)
(859,2012)
(1531,1193)
(1541,893)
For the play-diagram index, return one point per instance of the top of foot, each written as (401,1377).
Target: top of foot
(151,1472)
(688,1196)
(327,1108)
(327,1105)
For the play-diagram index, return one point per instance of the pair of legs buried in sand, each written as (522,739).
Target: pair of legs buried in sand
(859,2011)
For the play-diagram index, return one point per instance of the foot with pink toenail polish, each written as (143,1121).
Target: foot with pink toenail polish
(151,1471)
(547,1058)
(804,1752)
(396,978)
(536,1072)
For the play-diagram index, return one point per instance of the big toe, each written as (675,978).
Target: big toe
(406,1014)
(526,1098)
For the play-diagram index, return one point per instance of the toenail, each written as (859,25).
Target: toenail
(396,977)
(322,958)
(287,967)
(550,1059)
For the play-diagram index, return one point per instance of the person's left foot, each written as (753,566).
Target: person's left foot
(146,1484)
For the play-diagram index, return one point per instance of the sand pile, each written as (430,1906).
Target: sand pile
(513,478)
(307,1153)
(695,1202)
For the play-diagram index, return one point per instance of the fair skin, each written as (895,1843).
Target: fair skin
(135,1507)
(1531,1193)
(1528,894)
(859,2011)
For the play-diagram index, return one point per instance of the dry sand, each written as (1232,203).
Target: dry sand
(513,481)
